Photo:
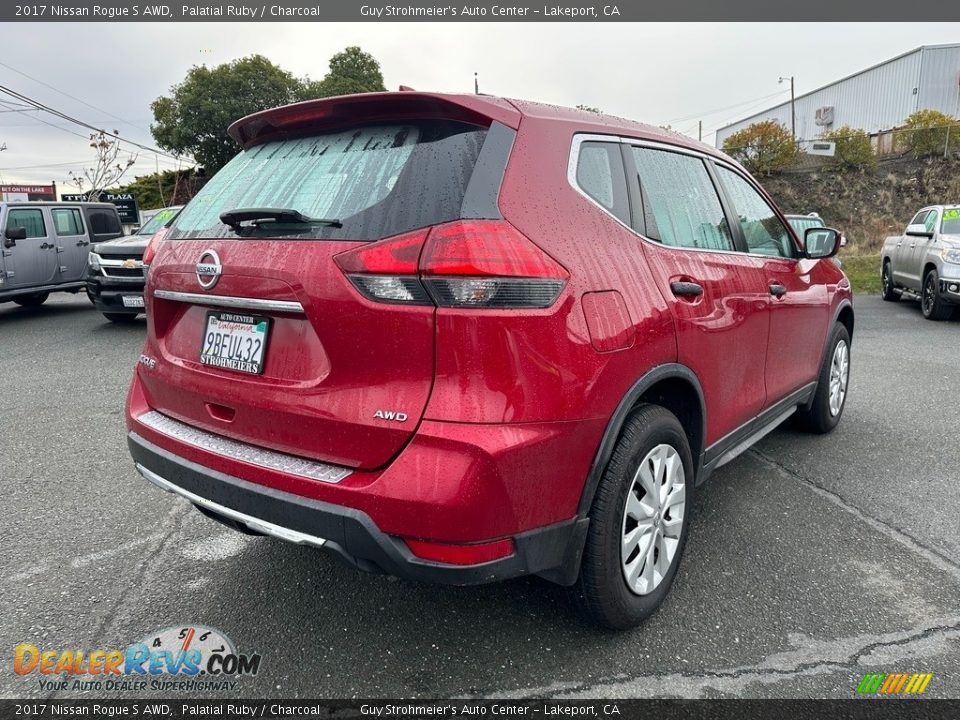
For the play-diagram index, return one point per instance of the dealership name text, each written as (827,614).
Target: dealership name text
(144,10)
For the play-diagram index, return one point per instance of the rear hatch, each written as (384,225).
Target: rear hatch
(258,331)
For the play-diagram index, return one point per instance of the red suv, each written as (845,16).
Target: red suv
(460,338)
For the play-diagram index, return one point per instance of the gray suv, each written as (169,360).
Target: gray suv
(45,245)
(924,263)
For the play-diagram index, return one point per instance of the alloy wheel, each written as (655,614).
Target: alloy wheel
(929,295)
(839,376)
(653,519)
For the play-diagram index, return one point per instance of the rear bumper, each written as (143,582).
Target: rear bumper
(553,551)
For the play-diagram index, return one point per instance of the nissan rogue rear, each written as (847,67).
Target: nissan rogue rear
(462,339)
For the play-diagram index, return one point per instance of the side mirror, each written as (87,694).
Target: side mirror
(821,242)
(919,230)
(15,233)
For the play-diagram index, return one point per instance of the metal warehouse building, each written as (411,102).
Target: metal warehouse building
(876,99)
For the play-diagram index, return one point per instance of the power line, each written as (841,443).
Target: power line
(53,125)
(48,165)
(724,109)
(724,124)
(70,118)
(65,94)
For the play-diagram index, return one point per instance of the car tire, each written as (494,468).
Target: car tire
(120,318)
(931,304)
(827,408)
(32,300)
(886,284)
(652,451)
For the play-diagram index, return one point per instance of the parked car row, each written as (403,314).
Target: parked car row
(68,247)
(924,262)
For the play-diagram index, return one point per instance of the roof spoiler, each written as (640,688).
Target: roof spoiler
(331,113)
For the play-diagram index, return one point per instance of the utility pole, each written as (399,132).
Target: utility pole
(476,85)
(793,110)
(700,130)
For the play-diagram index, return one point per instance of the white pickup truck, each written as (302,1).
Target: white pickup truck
(924,263)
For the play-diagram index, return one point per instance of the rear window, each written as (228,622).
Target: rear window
(376,180)
(104,222)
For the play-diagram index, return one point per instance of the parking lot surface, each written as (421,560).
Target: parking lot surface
(812,560)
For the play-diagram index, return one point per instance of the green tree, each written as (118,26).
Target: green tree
(763,147)
(928,132)
(169,187)
(589,108)
(194,118)
(351,71)
(853,149)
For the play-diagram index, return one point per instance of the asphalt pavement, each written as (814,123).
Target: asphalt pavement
(812,560)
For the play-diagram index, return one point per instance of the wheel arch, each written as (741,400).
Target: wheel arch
(672,386)
(845,317)
(842,314)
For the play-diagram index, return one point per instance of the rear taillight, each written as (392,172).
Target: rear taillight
(386,271)
(464,264)
(151,250)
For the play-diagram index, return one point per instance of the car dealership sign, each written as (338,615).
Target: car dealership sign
(126,204)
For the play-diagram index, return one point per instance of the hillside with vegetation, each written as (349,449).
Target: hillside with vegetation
(867,205)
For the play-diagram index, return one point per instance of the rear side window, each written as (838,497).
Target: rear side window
(762,229)
(29,219)
(103,222)
(680,204)
(67,221)
(601,176)
(376,180)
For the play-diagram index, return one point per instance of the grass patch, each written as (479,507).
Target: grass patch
(863,272)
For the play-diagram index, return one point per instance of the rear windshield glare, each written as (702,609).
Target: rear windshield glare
(376,180)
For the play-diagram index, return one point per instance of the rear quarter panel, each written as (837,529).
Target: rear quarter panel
(549,367)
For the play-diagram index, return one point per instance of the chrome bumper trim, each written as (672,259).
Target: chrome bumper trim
(229,301)
(256,524)
(219,445)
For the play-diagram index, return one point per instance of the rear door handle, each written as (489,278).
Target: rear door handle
(686,289)
(777,290)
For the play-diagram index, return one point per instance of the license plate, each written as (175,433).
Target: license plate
(133,300)
(235,342)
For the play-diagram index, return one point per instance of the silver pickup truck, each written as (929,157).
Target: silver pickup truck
(924,263)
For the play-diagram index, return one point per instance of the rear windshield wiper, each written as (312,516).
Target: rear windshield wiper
(233,218)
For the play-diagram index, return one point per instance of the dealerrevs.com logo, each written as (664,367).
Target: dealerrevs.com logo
(185,658)
(900,683)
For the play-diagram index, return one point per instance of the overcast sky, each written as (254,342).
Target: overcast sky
(672,74)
